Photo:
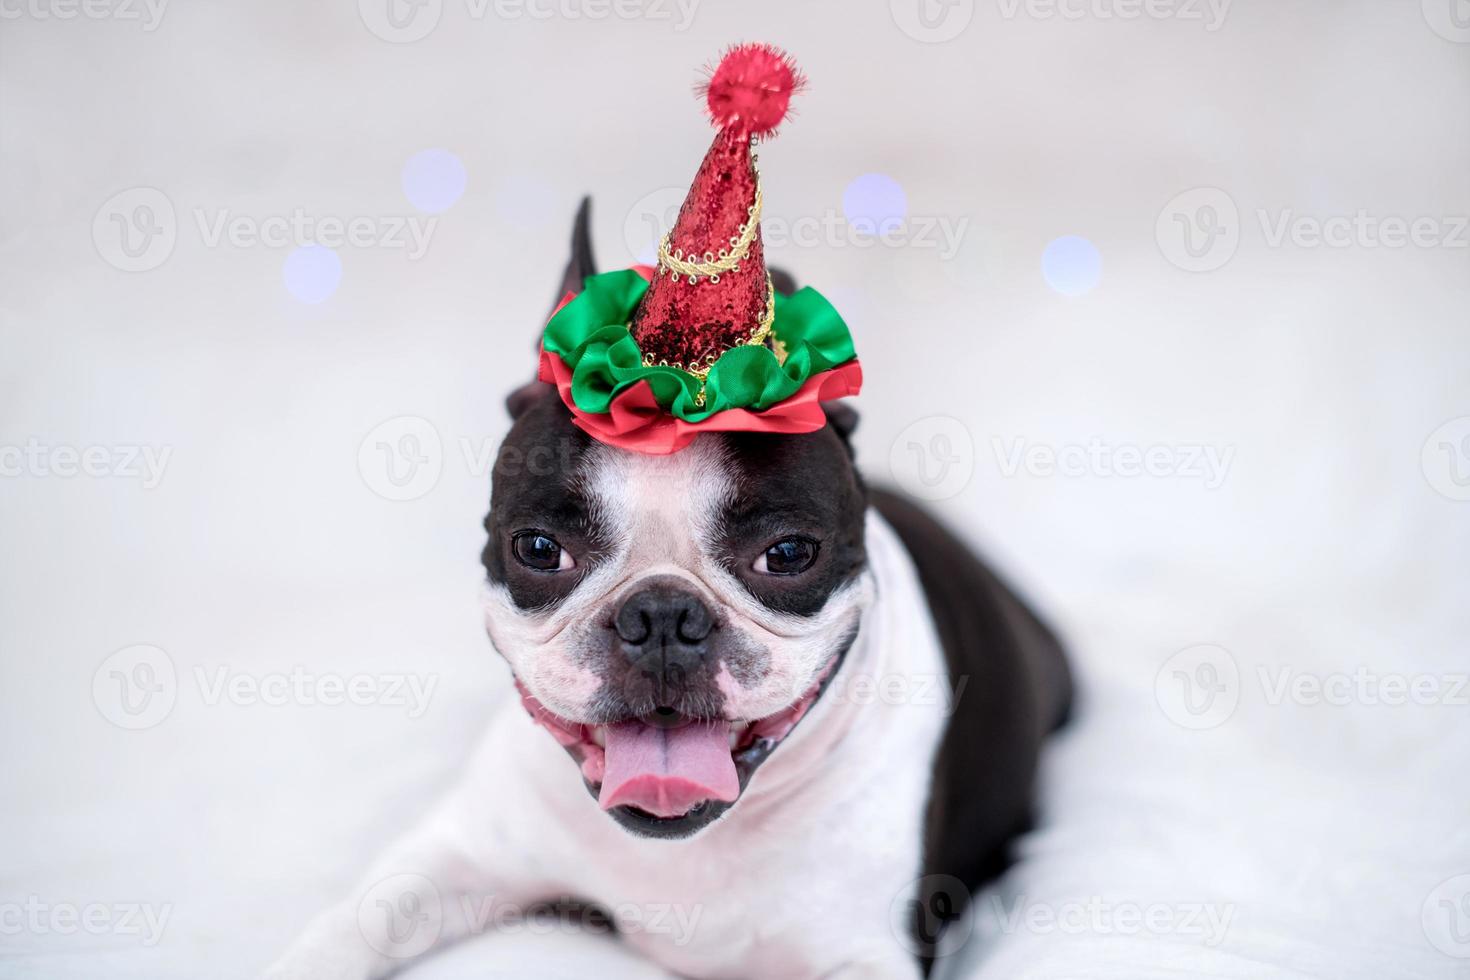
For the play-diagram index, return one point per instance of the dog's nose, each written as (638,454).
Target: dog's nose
(664,618)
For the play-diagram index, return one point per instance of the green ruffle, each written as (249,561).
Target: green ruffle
(591,335)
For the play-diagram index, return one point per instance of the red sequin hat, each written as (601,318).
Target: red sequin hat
(646,359)
(711,291)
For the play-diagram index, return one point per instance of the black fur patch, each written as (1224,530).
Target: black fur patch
(580,263)
(535,487)
(794,485)
(1016,689)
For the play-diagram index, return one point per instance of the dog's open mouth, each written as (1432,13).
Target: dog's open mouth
(664,774)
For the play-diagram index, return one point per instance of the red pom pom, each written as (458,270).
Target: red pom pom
(751,88)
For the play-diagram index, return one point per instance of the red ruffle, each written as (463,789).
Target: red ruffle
(634,420)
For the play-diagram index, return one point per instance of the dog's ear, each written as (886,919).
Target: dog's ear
(782,281)
(579,264)
(843,418)
(579,267)
(520,401)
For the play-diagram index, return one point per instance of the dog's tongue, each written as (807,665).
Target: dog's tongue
(665,771)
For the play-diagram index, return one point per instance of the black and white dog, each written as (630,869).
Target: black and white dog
(733,645)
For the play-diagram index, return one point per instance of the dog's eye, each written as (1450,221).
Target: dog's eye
(789,556)
(541,552)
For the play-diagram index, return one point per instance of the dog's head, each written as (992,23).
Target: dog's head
(669,619)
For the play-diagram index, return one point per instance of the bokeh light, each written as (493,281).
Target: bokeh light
(874,203)
(1071,265)
(433,180)
(312,273)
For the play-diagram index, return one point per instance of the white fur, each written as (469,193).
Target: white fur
(798,880)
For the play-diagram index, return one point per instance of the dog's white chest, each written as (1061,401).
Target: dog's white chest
(814,866)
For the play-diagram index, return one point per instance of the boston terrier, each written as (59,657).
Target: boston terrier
(772,722)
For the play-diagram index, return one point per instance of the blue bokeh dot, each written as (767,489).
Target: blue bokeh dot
(1071,265)
(433,180)
(874,204)
(312,273)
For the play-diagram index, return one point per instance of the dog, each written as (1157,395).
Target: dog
(721,656)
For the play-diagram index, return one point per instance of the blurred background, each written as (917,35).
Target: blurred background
(1164,304)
